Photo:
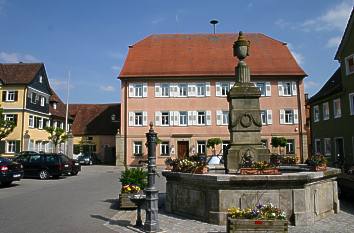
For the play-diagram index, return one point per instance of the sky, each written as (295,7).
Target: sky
(90,39)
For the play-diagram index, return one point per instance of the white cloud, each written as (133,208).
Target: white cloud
(16,57)
(334,19)
(108,88)
(157,20)
(298,56)
(333,42)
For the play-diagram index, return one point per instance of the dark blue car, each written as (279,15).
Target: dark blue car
(9,171)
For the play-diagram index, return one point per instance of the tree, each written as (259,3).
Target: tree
(57,136)
(278,142)
(6,126)
(212,143)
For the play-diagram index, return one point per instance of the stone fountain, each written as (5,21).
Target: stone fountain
(304,195)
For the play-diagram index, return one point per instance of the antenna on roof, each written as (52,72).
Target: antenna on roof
(214,22)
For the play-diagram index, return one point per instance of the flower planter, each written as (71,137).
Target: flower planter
(254,171)
(319,168)
(125,202)
(201,170)
(254,225)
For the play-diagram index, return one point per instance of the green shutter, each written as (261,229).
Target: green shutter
(2,147)
(3,95)
(15,119)
(16,95)
(18,146)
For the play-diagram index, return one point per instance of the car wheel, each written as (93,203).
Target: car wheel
(43,175)
(90,162)
(6,183)
(74,173)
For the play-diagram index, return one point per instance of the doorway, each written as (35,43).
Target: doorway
(182,149)
(339,149)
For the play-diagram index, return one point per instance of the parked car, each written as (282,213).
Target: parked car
(88,159)
(9,171)
(42,165)
(75,166)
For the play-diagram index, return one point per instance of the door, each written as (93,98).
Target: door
(182,149)
(34,164)
(339,151)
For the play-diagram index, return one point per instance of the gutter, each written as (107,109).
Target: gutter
(300,122)
(23,117)
(125,122)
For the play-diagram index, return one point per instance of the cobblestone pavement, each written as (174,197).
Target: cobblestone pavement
(124,222)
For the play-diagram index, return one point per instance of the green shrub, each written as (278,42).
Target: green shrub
(134,176)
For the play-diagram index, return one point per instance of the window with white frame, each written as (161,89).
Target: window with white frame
(183,90)
(262,88)
(290,146)
(201,118)
(264,117)
(287,88)
(327,147)
(41,79)
(349,64)
(10,95)
(200,89)
(183,118)
(288,116)
(165,118)
(138,90)
(138,148)
(201,147)
(325,111)
(55,105)
(42,101)
(337,111)
(316,113)
(10,146)
(225,88)
(33,97)
(31,121)
(165,149)
(225,117)
(351,102)
(40,122)
(11,117)
(138,118)
(317,145)
(165,90)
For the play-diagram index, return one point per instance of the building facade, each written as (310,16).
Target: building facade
(332,108)
(180,83)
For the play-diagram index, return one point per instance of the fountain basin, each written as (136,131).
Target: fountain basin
(305,196)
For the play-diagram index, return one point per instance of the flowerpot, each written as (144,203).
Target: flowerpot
(249,171)
(125,202)
(270,171)
(254,225)
(319,168)
(201,170)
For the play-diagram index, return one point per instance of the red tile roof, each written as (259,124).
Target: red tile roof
(94,119)
(19,73)
(206,55)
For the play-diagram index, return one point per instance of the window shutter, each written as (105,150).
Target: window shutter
(131,90)
(218,117)
(208,117)
(176,116)
(16,95)
(269,117)
(268,89)
(171,116)
(280,88)
(3,95)
(157,89)
(144,118)
(218,89)
(296,116)
(191,89)
(157,118)
(294,89)
(282,116)
(207,89)
(2,144)
(232,84)
(15,119)
(131,118)
(145,90)
(17,145)
(190,117)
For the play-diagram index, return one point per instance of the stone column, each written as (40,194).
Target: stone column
(26,141)
(70,145)
(119,149)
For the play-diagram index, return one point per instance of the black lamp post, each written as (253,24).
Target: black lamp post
(152,194)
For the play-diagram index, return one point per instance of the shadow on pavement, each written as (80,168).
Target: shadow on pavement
(124,223)
(347,204)
(8,186)
(114,203)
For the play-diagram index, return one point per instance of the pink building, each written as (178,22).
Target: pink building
(180,81)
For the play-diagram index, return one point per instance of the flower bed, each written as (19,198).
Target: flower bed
(191,164)
(260,218)
(317,162)
(249,167)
